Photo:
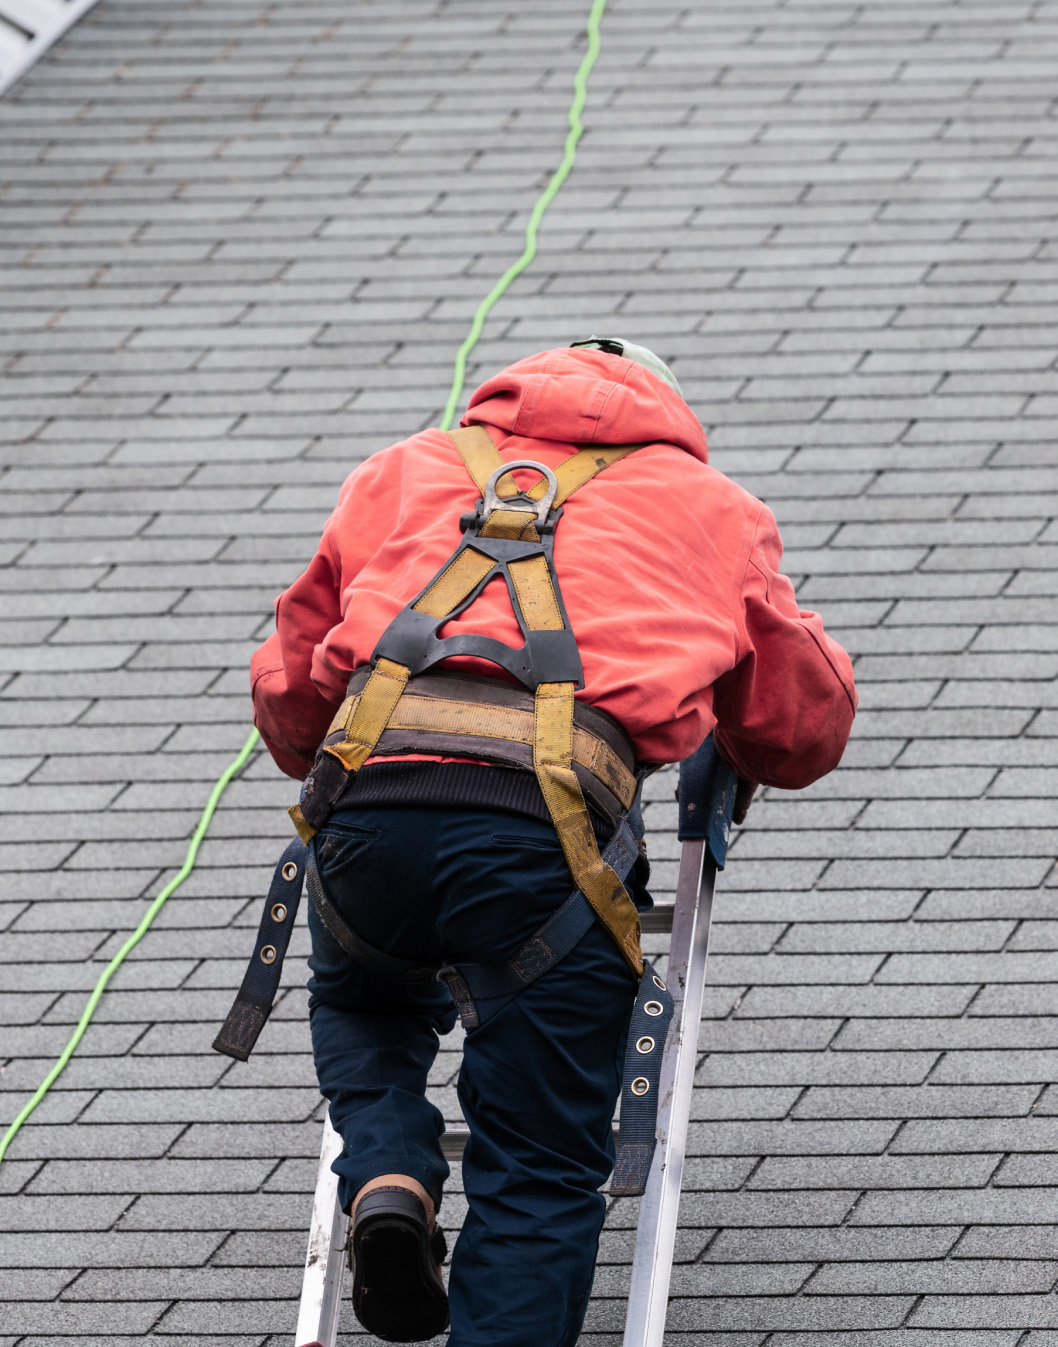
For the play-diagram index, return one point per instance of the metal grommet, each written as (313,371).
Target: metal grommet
(645,1044)
(654,1008)
(290,871)
(279,912)
(658,983)
(640,1085)
(268,954)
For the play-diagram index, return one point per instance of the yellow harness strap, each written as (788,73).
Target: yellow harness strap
(553,733)
(553,762)
(553,728)
(482,458)
(377,703)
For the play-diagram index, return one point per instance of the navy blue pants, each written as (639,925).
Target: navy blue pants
(538,1084)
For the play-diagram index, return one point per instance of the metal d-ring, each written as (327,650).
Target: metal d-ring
(522,502)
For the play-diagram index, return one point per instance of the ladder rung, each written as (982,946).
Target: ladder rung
(457,1135)
(455,1138)
(659,920)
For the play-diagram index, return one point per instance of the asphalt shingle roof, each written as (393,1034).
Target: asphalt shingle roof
(240,242)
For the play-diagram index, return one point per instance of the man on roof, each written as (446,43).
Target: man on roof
(465,785)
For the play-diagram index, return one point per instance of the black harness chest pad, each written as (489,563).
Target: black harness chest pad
(545,657)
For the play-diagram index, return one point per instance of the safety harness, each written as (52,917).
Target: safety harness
(399,706)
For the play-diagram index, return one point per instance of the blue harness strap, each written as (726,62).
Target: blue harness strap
(383,967)
(253,1004)
(706,795)
(480,990)
(647,1032)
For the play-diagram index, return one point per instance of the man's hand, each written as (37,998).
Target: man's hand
(744,792)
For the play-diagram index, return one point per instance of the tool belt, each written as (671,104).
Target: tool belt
(582,759)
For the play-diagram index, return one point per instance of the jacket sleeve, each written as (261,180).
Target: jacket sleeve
(288,709)
(784,713)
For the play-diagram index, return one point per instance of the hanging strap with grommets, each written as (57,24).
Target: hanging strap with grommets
(253,1003)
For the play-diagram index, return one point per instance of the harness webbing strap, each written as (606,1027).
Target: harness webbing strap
(455,582)
(384,967)
(380,695)
(640,1084)
(253,1004)
(388,680)
(553,762)
(581,467)
(445,715)
(482,459)
(536,594)
(462,576)
(481,990)
(515,525)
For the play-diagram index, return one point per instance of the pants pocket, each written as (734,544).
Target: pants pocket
(520,842)
(339,846)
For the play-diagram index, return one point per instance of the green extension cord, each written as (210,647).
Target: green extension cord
(133,940)
(576,130)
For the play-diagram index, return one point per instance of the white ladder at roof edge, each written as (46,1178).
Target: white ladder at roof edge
(689,919)
(28,28)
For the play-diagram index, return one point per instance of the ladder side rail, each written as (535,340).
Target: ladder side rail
(321,1289)
(659,1207)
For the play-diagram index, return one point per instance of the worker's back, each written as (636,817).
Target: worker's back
(668,572)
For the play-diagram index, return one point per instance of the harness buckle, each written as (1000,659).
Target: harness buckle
(522,501)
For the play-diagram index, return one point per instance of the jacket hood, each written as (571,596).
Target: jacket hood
(582,396)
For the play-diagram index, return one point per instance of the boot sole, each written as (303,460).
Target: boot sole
(397,1294)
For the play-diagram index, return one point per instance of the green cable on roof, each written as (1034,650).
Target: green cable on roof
(133,940)
(576,130)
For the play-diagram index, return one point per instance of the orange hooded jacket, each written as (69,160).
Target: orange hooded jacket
(669,573)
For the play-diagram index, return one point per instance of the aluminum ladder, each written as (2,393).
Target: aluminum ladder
(707,790)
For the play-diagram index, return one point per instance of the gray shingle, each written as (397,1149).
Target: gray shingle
(928,1101)
(961,1206)
(997,1277)
(988,1312)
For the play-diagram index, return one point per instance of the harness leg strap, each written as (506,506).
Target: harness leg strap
(253,1004)
(384,967)
(481,990)
(647,1032)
